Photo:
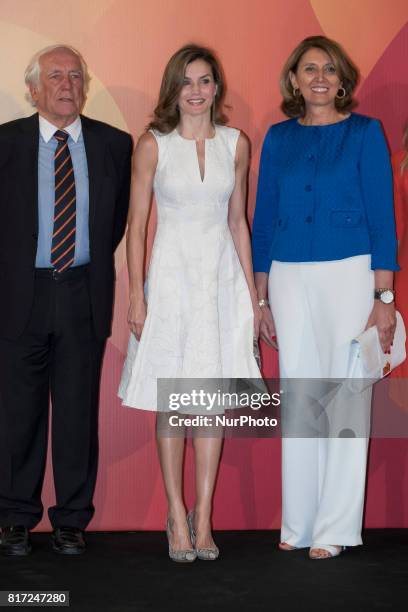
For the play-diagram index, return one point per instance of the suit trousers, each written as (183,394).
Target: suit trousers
(58,356)
(318,308)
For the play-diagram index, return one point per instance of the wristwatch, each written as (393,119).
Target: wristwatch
(263,302)
(386,296)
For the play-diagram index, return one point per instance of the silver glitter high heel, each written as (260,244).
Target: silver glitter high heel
(205,554)
(180,556)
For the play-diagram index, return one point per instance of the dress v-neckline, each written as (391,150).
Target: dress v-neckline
(202,176)
(197,160)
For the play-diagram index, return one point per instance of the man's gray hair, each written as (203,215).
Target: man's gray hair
(32,72)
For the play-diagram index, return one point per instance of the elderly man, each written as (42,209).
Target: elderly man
(64,195)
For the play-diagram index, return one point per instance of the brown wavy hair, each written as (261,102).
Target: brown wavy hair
(166,115)
(347,71)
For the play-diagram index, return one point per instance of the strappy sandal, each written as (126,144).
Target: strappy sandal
(334,551)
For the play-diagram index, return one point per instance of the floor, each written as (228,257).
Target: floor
(123,572)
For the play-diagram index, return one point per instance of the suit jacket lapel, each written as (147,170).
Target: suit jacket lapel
(27,167)
(95,156)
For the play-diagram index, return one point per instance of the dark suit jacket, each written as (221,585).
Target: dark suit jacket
(108,152)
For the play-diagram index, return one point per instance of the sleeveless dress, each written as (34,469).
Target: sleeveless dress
(199,320)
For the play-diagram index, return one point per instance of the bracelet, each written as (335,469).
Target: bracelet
(263,302)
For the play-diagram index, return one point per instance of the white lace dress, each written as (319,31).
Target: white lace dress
(199,315)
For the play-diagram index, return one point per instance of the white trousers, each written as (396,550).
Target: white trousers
(318,308)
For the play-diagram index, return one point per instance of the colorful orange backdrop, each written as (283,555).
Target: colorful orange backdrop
(127,44)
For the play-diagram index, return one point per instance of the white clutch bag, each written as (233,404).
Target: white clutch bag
(367,361)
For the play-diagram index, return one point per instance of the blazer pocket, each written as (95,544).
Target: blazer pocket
(345,218)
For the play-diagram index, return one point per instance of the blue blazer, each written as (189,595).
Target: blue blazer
(325,193)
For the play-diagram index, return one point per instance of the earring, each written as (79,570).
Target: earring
(344,94)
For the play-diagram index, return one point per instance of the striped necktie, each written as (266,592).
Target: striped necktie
(63,236)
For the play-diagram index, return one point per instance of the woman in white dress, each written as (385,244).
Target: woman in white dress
(198,312)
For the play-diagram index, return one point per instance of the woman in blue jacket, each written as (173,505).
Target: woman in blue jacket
(324,251)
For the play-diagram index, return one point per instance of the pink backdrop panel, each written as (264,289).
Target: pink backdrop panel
(127,44)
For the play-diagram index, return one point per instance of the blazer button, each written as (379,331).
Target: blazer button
(308,188)
(348,219)
(311,157)
(309,219)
